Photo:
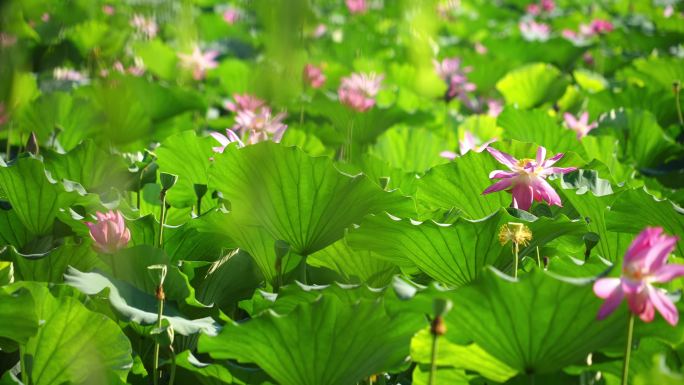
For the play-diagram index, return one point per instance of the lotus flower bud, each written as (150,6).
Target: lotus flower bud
(109,232)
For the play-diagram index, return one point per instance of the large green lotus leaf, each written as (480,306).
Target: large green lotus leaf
(409,149)
(537,126)
(191,370)
(301,200)
(35,197)
(90,166)
(538,323)
(135,305)
(18,318)
(379,171)
(255,240)
(74,344)
(74,118)
(634,210)
(355,266)
(342,344)
(455,254)
(452,254)
(460,184)
(51,266)
(161,101)
(469,357)
(642,139)
(656,70)
(187,243)
(12,231)
(590,81)
(532,85)
(651,99)
(605,149)
(187,156)
(591,197)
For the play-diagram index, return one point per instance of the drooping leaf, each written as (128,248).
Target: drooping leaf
(18,318)
(342,346)
(51,266)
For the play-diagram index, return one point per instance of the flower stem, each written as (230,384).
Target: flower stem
(172,379)
(515,272)
(162,217)
(538,258)
(628,349)
(160,310)
(350,138)
(433,360)
(677,86)
(22,365)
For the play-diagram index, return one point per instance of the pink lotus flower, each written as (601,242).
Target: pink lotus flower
(527,178)
(357,6)
(581,126)
(468,143)
(668,11)
(244,102)
(451,72)
(494,107)
(533,31)
(147,27)
(601,26)
(548,5)
(108,9)
(320,30)
(533,9)
(313,76)
(359,90)
(480,48)
(109,232)
(45,17)
(260,126)
(225,140)
(69,74)
(231,15)
(645,263)
(199,62)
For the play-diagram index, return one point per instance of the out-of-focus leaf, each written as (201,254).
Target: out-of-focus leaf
(532,85)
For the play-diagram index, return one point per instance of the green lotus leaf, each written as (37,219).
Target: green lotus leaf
(532,85)
(409,149)
(19,320)
(342,345)
(537,126)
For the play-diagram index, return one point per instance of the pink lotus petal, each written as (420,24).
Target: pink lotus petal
(665,307)
(667,272)
(499,186)
(611,303)
(604,287)
(523,196)
(503,158)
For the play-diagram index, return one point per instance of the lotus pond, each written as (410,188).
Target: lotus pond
(341,192)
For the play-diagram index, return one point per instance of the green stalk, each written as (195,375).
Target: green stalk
(173,367)
(515,273)
(155,367)
(433,360)
(628,349)
(162,217)
(538,258)
(22,365)
(677,88)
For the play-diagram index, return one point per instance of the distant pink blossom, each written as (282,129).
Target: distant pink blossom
(533,9)
(581,126)
(231,15)
(494,107)
(447,7)
(480,48)
(146,27)
(244,102)
(588,58)
(313,76)
(358,91)
(454,75)
(320,30)
(357,6)
(668,11)
(199,62)
(259,126)
(468,143)
(600,26)
(108,9)
(548,5)
(533,31)
(61,73)
(45,17)
(225,140)
(109,232)
(645,263)
(526,179)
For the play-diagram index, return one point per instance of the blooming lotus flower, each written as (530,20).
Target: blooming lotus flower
(357,6)
(533,9)
(494,107)
(480,48)
(147,27)
(199,62)
(260,126)
(468,143)
(526,179)
(645,263)
(69,75)
(108,9)
(581,126)
(358,91)
(231,15)
(313,76)
(109,232)
(533,31)
(668,11)
(225,140)
(244,102)
(548,5)
(458,85)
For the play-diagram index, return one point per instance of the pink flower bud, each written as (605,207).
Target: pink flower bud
(109,233)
